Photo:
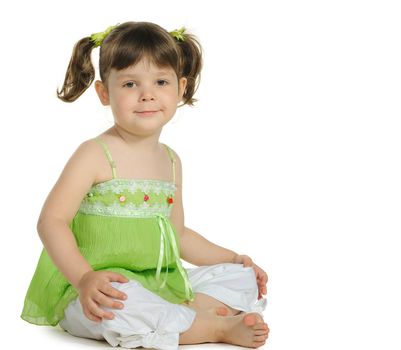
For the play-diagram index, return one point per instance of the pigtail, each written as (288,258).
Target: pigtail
(191,66)
(80,72)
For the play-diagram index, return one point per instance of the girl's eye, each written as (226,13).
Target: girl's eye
(162,82)
(130,84)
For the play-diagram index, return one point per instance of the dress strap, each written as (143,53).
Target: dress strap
(108,155)
(172,158)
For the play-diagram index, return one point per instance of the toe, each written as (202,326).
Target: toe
(259,325)
(252,319)
(259,338)
(249,319)
(257,344)
(261,332)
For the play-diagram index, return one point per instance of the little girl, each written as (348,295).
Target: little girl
(113,224)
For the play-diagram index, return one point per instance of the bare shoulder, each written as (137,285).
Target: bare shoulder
(75,180)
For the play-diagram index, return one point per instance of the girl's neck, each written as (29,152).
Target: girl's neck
(139,144)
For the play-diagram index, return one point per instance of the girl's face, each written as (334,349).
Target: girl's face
(143,97)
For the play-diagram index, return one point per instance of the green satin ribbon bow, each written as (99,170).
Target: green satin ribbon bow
(168,239)
(98,38)
(178,34)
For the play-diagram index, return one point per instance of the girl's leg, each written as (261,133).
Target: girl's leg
(204,302)
(245,330)
(146,320)
(225,289)
(151,322)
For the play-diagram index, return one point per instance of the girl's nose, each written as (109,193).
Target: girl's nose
(147,95)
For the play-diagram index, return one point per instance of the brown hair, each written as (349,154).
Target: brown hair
(125,46)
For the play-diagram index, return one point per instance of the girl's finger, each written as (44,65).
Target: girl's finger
(103,300)
(90,316)
(116,277)
(98,311)
(265,278)
(262,278)
(113,292)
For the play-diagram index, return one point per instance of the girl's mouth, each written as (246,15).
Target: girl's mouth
(146,113)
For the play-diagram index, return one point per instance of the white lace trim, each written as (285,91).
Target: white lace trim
(143,210)
(131,185)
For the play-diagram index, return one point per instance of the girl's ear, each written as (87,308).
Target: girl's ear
(182,84)
(102,92)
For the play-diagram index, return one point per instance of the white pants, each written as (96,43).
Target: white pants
(150,321)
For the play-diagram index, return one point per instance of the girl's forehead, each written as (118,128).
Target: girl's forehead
(144,66)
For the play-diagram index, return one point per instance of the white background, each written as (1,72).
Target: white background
(291,156)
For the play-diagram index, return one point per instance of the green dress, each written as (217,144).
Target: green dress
(122,225)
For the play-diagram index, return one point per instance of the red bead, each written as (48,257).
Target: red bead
(146,197)
(170,200)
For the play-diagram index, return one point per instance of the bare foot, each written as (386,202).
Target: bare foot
(225,311)
(219,311)
(248,330)
(216,311)
(222,311)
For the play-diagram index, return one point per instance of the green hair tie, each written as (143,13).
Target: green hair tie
(178,34)
(98,38)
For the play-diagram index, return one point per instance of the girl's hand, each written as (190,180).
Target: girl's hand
(261,275)
(95,289)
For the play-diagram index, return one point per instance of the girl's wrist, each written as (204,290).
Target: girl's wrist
(81,278)
(234,259)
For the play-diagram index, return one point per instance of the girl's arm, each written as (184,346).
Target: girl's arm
(59,209)
(198,251)
(61,205)
(60,245)
(194,248)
